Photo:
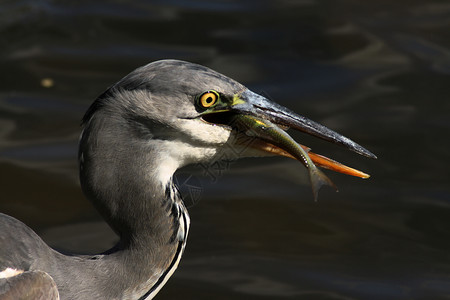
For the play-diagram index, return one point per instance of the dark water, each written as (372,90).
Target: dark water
(375,71)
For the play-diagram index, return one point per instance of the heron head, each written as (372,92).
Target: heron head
(187,114)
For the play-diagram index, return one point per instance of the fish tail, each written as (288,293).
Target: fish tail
(318,179)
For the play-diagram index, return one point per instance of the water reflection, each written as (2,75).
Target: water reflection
(376,71)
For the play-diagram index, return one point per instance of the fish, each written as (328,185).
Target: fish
(273,134)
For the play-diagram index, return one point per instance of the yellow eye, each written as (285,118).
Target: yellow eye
(208,99)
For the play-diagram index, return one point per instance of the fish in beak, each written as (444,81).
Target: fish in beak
(267,122)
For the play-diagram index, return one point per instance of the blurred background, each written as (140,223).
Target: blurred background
(377,72)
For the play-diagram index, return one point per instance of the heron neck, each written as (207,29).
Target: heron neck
(130,185)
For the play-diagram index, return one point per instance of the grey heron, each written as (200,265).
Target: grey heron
(157,119)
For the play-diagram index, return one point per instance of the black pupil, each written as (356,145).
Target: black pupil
(209,99)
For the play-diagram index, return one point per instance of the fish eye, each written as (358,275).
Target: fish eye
(208,99)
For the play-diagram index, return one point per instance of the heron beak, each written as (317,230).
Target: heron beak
(252,104)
